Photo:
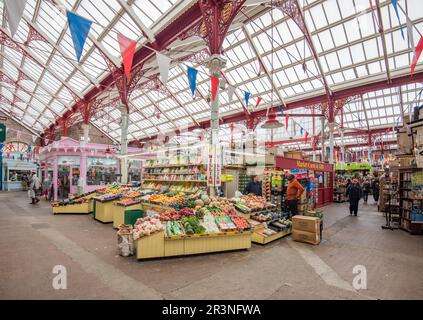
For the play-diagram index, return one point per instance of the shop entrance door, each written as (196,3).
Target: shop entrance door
(64,174)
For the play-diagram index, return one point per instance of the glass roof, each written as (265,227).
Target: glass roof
(266,55)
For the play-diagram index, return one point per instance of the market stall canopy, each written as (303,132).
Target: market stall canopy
(267,56)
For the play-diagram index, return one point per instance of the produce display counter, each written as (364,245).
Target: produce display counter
(121,216)
(75,207)
(81,208)
(103,210)
(158,245)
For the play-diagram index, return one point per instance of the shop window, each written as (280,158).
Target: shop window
(101,171)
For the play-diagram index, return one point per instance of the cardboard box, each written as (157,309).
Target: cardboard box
(306,237)
(305,223)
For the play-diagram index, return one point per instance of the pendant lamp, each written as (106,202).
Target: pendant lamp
(272,122)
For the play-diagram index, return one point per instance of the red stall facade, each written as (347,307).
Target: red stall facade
(323,174)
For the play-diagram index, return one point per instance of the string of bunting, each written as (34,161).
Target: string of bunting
(80,28)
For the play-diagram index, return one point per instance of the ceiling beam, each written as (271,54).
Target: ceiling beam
(382,36)
(148,33)
(340,94)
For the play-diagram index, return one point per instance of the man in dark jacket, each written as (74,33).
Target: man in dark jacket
(254,187)
(354,193)
(375,188)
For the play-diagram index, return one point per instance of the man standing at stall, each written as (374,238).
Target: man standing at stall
(294,192)
(254,186)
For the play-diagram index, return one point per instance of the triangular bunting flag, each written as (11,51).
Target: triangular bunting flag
(395,4)
(127,51)
(214,86)
(416,57)
(164,65)
(79,28)
(14,11)
(34,137)
(231,91)
(258,101)
(280,109)
(247,97)
(286,121)
(192,79)
(301,131)
(306,137)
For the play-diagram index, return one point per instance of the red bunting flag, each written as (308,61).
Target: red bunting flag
(286,121)
(314,142)
(127,50)
(306,137)
(214,86)
(258,101)
(416,57)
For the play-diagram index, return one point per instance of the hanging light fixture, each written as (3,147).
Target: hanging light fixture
(272,122)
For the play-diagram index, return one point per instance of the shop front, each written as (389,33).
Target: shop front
(320,177)
(80,168)
(16,172)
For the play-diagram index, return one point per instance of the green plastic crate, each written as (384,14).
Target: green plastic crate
(131,216)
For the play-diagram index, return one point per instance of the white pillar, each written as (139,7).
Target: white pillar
(323,139)
(331,142)
(124,144)
(215,64)
(342,149)
(86,130)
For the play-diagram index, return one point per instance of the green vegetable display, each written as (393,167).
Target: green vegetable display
(192,225)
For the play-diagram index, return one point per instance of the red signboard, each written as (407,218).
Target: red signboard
(288,163)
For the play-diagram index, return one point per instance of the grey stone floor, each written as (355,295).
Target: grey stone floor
(33,241)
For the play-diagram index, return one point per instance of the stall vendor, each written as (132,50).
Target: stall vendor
(254,186)
(294,192)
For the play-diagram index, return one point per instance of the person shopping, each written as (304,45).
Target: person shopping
(375,188)
(366,190)
(294,192)
(254,186)
(354,193)
(34,187)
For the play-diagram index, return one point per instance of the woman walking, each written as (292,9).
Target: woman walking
(34,187)
(375,188)
(354,194)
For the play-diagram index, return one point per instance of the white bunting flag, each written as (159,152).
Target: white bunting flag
(75,149)
(14,11)
(34,137)
(231,91)
(164,65)
(410,34)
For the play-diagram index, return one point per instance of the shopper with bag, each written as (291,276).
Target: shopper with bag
(34,187)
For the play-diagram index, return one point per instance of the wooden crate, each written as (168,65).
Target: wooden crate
(119,213)
(261,239)
(151,246)
(104,211)
(72,208)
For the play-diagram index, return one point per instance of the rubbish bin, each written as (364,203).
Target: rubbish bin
(131,216)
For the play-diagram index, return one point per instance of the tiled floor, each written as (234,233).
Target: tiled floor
(33,241)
